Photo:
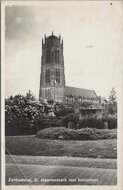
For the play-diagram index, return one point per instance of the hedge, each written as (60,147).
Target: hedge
(78,134)
(99,123)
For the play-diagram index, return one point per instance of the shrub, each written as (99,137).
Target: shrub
(71,125)
(42,122)
(81,134)
(62,110)
(99,123)
(25,115)
(112,121)
(74,118)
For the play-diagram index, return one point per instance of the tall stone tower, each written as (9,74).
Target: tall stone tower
(52,79)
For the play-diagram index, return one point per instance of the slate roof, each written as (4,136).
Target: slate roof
(80,92)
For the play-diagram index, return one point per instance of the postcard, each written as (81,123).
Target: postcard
(62,71)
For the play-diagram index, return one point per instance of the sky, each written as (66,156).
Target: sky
(92,34)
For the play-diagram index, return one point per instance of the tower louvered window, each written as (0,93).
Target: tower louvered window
(57,75)
(48,56)
(56,56)
(47,76)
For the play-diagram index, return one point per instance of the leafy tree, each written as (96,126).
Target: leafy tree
(20,113)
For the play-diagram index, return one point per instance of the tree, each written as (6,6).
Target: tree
(112,105)
(21,113)
(112,97)
(29,96)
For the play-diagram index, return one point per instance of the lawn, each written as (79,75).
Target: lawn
(62,161)
(32,146)
(34,158)
(45,175)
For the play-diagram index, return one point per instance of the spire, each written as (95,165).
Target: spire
(52,32)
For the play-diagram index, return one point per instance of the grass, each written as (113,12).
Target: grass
(62,161)
(32,146)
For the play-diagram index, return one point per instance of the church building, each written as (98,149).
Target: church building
(52,78)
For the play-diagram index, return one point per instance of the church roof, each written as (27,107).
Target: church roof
(80,92)
(52,37)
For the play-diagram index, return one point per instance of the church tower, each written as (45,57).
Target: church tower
(52,79)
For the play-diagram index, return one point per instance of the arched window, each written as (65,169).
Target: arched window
(57,75)
(56,56)
(47,76)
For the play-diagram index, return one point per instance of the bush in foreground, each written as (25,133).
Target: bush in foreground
(80,134)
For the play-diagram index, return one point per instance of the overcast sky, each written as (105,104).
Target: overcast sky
(93,37)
